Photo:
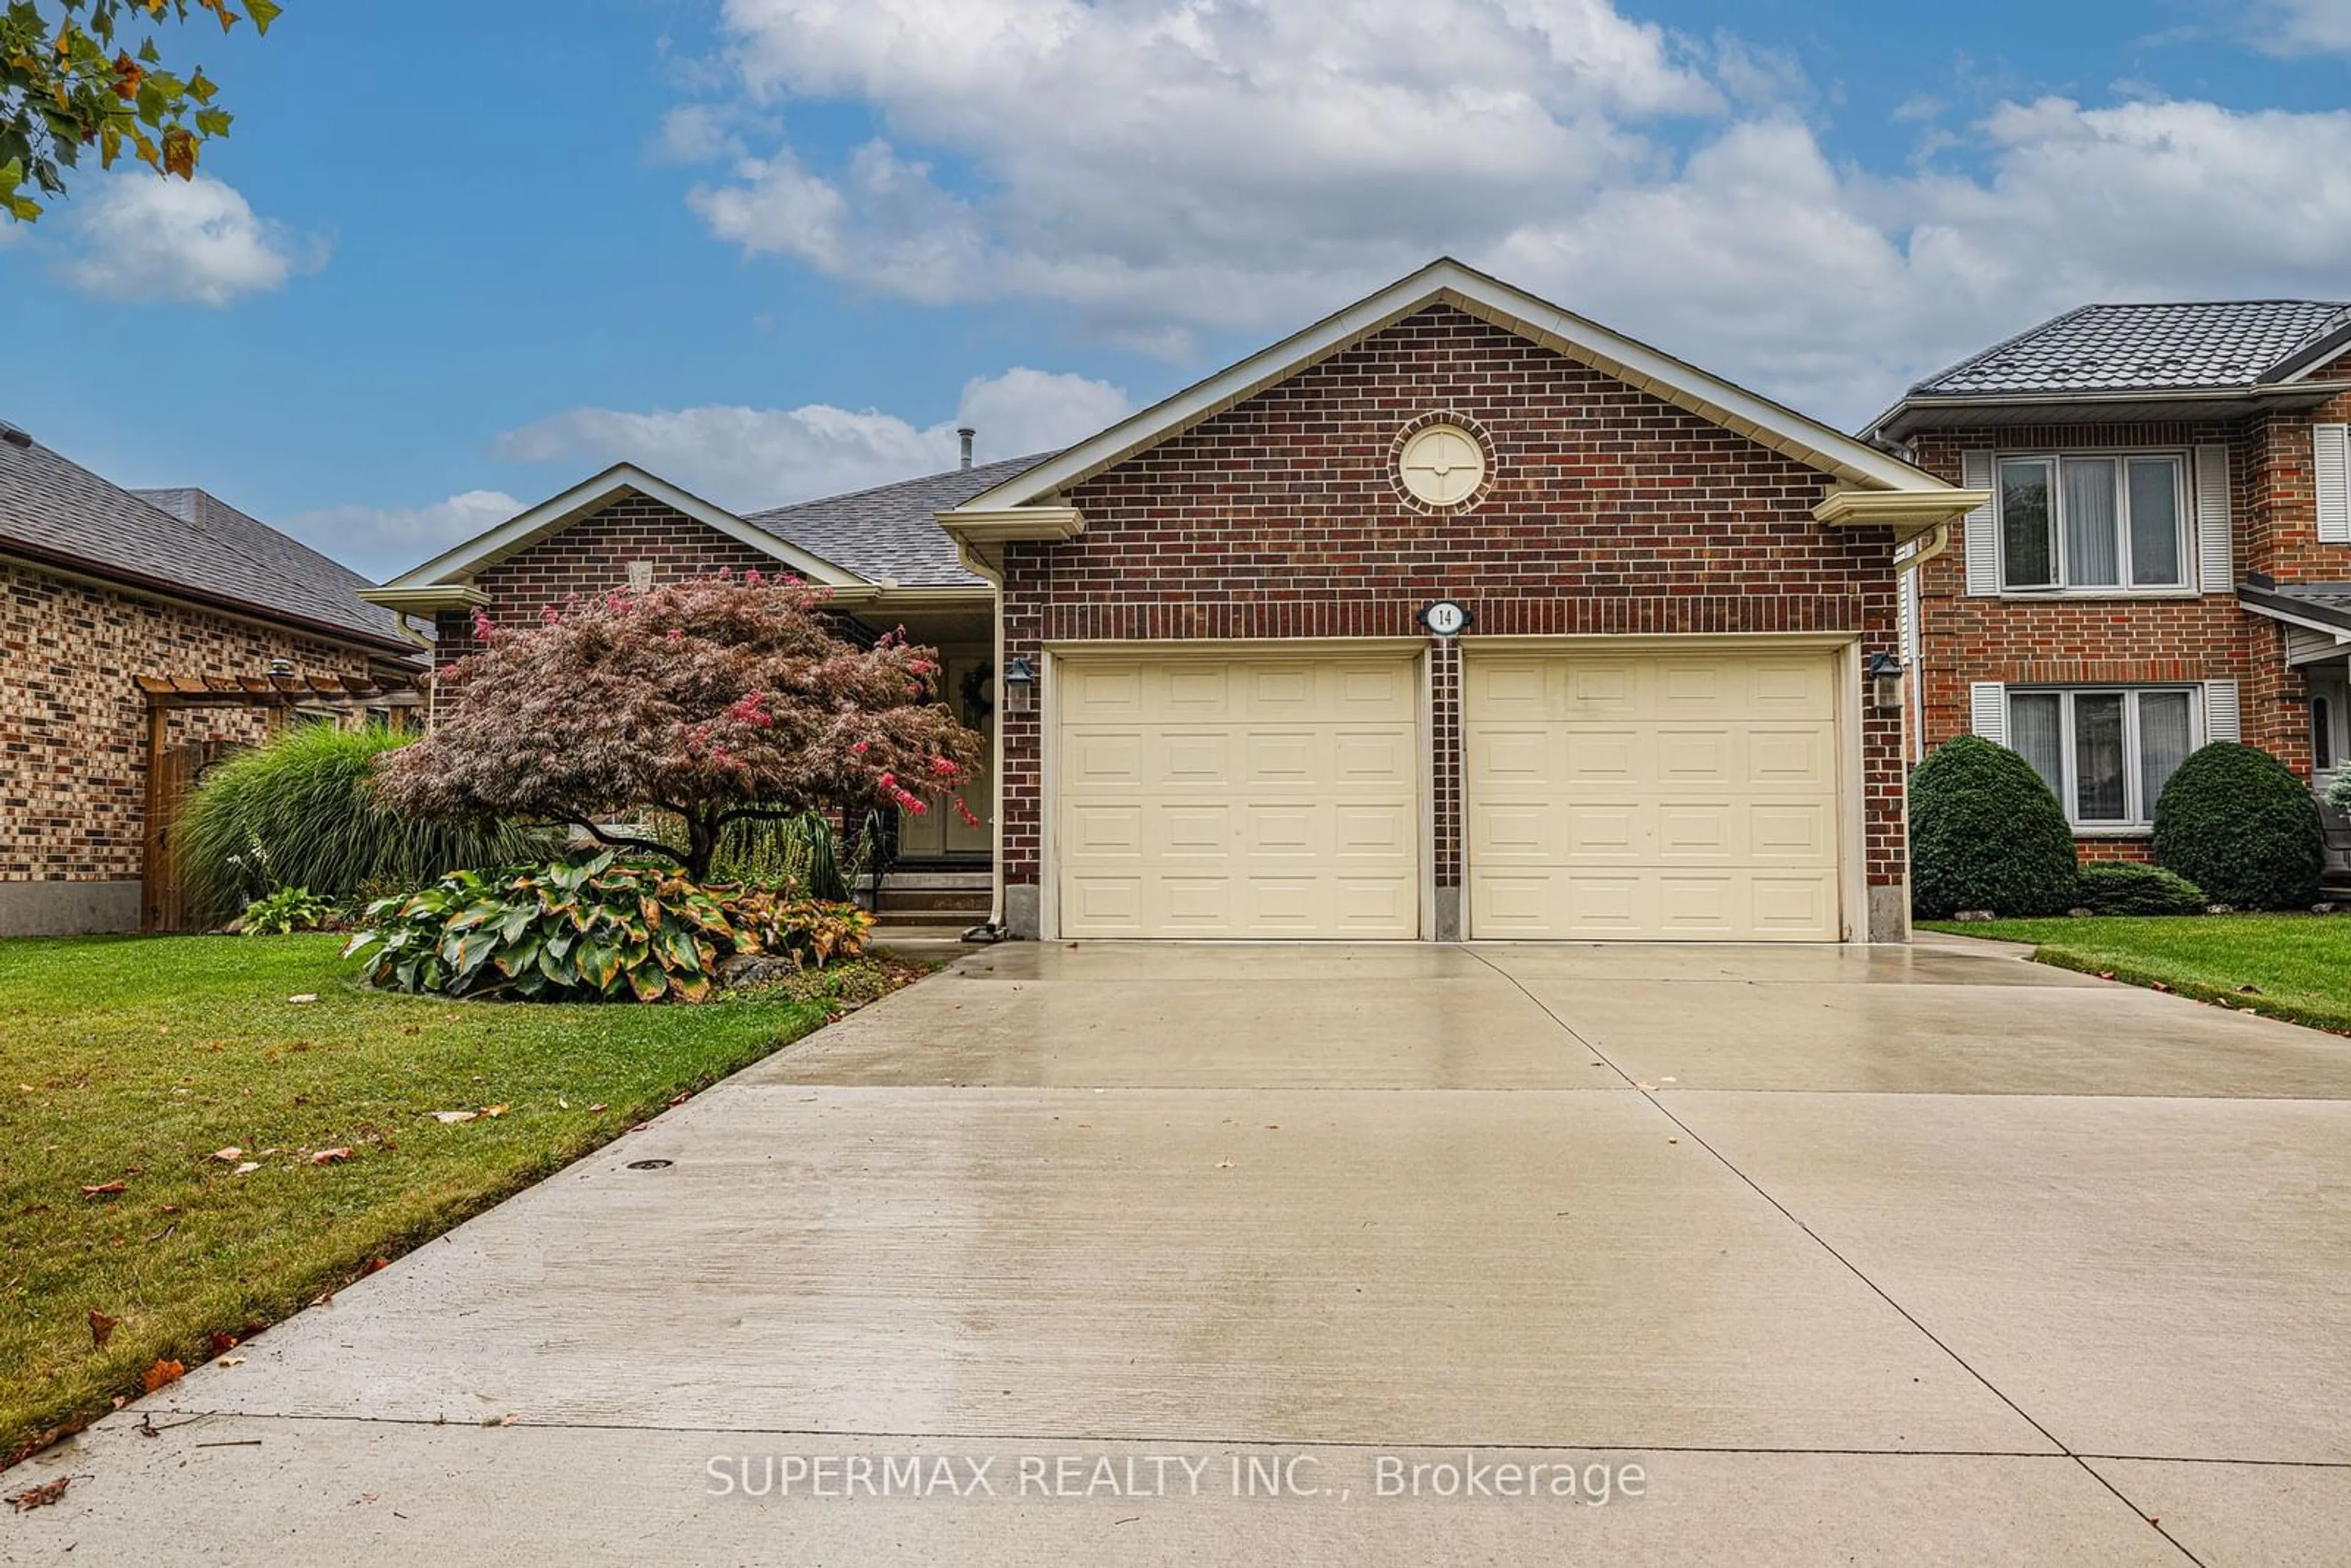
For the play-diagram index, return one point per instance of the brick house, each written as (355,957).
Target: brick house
(2163,558)
(99,587)
(879,553)
(1252,717)
(1233,705)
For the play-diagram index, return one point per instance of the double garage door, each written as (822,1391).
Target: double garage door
(1648,795)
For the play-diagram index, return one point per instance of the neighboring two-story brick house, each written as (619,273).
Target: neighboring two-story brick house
(2165,556)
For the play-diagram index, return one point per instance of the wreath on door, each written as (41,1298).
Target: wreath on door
(974,693)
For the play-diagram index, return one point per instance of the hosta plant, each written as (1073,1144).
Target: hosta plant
(811,932)
(284,911)
(592,929)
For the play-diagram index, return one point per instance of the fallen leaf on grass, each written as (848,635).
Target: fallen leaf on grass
(451,1118)
(681,1097)
(103,1189)
(304,997)
(331,1156)
(161,1373)
(223,1344)
(495,1109)
(101,1328)
(2157,986)
(248,1167)
(592,1109)
(229,1155)
(41,1496)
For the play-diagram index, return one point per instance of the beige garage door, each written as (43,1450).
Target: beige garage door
(1271,795)
(1664,796)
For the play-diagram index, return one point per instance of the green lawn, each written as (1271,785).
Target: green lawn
(135,1060)
(2298,965)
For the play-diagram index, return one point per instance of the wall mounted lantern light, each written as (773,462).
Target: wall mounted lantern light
(1019,687)
(1884,674)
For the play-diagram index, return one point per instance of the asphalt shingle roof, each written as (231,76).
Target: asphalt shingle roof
(889,531)
(2146,348)
(184,538)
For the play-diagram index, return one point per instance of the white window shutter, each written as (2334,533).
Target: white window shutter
(1988,711)
(1981,534)
(2330,467)
(2220,711)
(2214,528)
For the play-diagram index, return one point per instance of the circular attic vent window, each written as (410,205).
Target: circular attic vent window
(1441,464)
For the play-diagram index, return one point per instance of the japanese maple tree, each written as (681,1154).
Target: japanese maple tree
(716,699)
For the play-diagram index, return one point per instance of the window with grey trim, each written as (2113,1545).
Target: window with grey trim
(2106,754)
(2108,522)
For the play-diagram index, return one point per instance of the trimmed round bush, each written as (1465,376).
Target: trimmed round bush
(2236,821)
(1986,833)
(2134,887)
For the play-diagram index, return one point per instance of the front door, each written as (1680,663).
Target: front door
(941,832)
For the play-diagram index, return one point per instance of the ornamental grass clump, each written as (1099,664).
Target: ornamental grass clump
(304,811)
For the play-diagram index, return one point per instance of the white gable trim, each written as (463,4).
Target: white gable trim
(557,513)
(1450,282)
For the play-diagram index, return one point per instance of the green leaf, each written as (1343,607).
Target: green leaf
(262,12)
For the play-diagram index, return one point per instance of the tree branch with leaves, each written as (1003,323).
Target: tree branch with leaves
(720,699)
(78,74)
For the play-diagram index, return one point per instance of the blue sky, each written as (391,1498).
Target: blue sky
(457,255)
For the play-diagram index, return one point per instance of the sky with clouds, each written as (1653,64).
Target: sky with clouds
(458,255)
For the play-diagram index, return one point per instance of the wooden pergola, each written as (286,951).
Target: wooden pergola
(162,905)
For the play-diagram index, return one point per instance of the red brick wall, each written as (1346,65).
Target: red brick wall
(2282,516)
(2124,638)
(73,724)
(1609,510)
(592,555)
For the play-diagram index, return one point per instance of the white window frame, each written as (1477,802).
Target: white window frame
(2138,819)
(2184,498)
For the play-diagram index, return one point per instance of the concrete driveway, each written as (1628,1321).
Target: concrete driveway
(1120,1253)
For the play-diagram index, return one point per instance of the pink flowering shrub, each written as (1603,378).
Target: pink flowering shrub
(718,700)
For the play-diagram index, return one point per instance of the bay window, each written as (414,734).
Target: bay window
(2108,523)
(2107,755)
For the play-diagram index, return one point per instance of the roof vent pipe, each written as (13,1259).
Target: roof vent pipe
(964,433)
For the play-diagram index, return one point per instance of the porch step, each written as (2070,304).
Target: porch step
(936,897)
(937,905)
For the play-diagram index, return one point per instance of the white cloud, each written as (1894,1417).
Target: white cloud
(753,457)
(2302,26)
(133,235)
(1158,167)
(383,541)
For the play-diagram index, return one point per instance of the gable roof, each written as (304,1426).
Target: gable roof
(1447,281)
(558,512)
(2153,348)
(891,531)
(191,546)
